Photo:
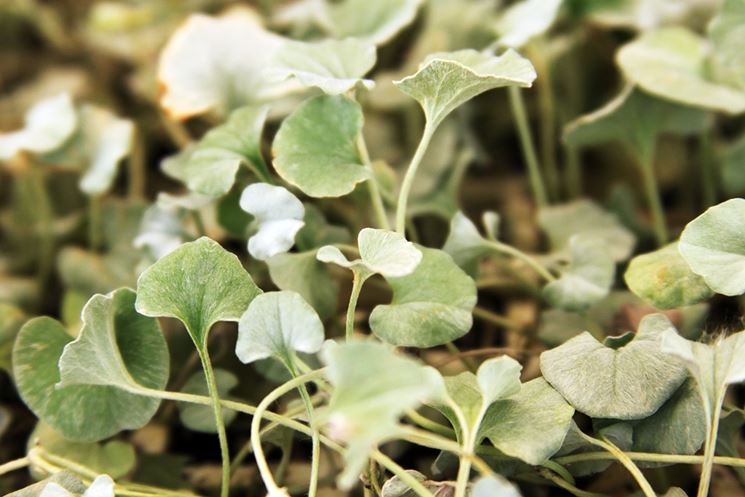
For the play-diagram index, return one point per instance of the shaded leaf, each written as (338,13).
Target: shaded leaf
(11,320)
(202,418)
(303,274)
(524,20)
(465,244)
(726,32)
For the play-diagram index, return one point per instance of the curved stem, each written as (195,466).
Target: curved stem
(527,146)
(264,470)
(357,282)
(14,465)
(652,193)
(222,436)
(624,459)
(397,470)
(315,438)
(503,248)
(569,487)
(372,184)
(403,196)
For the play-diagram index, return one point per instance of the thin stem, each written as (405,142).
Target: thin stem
(495,319)
(547,115)
(94,223)
(357,282)
(372,184)
(430,425)
(264,470)
(710,449)
(196,216)
(503,248)
(651,457)
(527,146)
(708,179)
(624,459)
(652,193)
(403,196)
(137,169)
(45,219)
(573,178)
(397,470)
(14,465)
(315,438)
(222,436)
(461,481)
(566,485)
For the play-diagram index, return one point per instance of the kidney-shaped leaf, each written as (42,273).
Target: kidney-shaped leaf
(100,411)
(278,216)
(375,22)
(316,147)
(664,279)
(465,244)
(209,168)
(713,245)
(430,306)
(278,324)
(671,63)
(112,332)
(373,387)
(47,125)
(333,66)
(447,80)
(627,382)
(199,283)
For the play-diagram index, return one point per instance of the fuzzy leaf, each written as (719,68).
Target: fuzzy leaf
(199,283)
(586,279)
(713,245)
(112,331)
(304,274)
(373,387)
(465,244)
(278,215)
(209,168)
(494,486)
(524,20)
(315,149)
(430,306)
(202,418)
(374,22)
(627,382)
(47,126)
(447,80)
(671,63)
(100,411)
(333,66)
(278,324)
(663,279)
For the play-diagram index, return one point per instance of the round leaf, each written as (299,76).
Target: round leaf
(375,22)
(303,274)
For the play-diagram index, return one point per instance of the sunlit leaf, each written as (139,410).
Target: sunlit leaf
(664,279)
(202,418)
(278,216)
(526,19)
(278,324)
(333,66)
(47,125)
(315,149)
(447,80)
(494,486)
(726,32)
(671,63)
(713,245)
(373,387)
(430,306)
(304,274)
(620,379)
(375,22)
(199,283)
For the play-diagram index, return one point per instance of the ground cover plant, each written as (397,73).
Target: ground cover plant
(396,248)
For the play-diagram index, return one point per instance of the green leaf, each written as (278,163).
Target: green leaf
(447,80)
(713,245)
(373,387)
(381,252)
(430,306)
(333,66)
(11,320)
(199,283)
(586,279)
(494,486)
(628,382)
(663,279)
(209,168)
(585,217)
(161,232)
(47,125)
(524,20)
(531,425)
(278,324)
(733,174)
(729,437)
(202,418)
(90,272)
(671,64)
(315,149)
(278,216)
(114,458)
(635,119)
(68,481)
(100,411)
(114,345)
(216,64)
(303,274)
(726,32)
(465,244)
(375,22)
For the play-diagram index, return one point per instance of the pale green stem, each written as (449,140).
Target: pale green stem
(428,424)
(527,146)
(403,196)
(13,465)
(372,184)
(264,470)
(315,439)
(137,169)
(222,436)
(196,216)
(46,231)
(708,173)
(573,178)
(624,459)
(652,193)
(559,470)
(433,441)
(461,480)
(397,470)
(464,464)
(503,248)
(357,281)
(710,449)
(547,115)
(651,457)
(569,487)
(495,319)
